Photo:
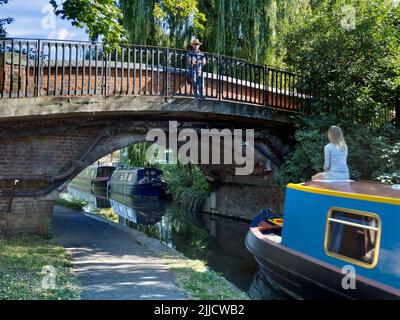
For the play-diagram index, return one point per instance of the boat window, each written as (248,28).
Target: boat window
(353,236)
(103,172)
(129,178)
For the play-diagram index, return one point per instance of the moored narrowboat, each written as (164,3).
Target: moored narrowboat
(135,183)
(334,240)
(93,178)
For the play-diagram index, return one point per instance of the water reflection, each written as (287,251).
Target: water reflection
(217,240)
(98,200)
(140,212)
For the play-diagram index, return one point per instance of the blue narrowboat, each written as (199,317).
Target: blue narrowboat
(135,183)
(333,240)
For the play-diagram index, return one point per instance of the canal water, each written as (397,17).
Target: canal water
(218,240)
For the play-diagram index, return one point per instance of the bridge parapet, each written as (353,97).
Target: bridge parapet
(33,68)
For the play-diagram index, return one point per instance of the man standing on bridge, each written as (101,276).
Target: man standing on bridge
(195,63)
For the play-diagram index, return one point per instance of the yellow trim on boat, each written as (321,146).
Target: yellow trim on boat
(358,196)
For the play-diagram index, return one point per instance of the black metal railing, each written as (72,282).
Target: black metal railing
(33,68)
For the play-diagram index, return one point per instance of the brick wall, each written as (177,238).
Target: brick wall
(26,215)
(244,201)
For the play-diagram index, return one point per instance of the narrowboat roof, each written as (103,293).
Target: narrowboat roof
(362,190)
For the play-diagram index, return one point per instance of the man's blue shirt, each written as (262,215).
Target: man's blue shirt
(198,58)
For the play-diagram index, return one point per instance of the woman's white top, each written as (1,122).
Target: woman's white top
(335,164)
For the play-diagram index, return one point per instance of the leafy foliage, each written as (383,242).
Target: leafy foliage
(373,151)
(139,21)
(180,19)
(244,29)
(388,148)
(187,185)
(353,69)
(101,18)
(137,154)
(162,22)
(355,72)
(68,201)
(107,213)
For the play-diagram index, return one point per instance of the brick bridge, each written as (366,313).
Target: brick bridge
(63,105)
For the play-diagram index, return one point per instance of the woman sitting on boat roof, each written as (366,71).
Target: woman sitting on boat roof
(335,165)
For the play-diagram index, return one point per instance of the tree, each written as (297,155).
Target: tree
(243,29)
(162,22)
(249,29)
(139,21)
(101,18)
(355,71)
(237,28)
(4,21)
(137,154)
(180,19)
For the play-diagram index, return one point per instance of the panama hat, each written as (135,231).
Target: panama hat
(196,41)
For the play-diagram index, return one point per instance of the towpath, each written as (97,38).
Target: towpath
(111,263)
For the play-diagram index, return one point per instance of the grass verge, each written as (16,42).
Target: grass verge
(69,201)
(200,282)
(23,271)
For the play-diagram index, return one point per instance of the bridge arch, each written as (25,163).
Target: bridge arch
(60,112)
(60,149)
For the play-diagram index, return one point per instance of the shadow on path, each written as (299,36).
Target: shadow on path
(110,263)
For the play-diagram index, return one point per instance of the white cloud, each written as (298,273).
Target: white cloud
(30,16)
(61,34)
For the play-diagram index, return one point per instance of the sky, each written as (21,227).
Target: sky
(35,19)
